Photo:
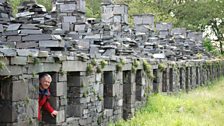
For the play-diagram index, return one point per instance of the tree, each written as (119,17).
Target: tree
(217,26)
(93,8)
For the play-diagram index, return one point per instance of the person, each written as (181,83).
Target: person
(44,94)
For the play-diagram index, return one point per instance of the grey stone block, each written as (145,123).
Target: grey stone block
(18,60)
(29,26)
(74,66)
(37,68)
(80,27)
(118,9)
(30,32)
(51,43)
(1,28)
(66,26)
(27,52)
(14,38)
(9,33)
(69,19)
(13,27)
(67,7)
(8,52)
(72,121)
(163,26)
(11,70)
(32,108)
(137,20)
(26,45)
(62,77)
(41,37)
(19,90)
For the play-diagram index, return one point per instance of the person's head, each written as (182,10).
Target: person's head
(45,81)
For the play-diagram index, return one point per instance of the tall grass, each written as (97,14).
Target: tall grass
(201,107)
(16,3)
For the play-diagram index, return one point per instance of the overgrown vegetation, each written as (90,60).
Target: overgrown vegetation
(135,65)
(201,107)
(162,67)
(89,69)
(148,69)
(120,65)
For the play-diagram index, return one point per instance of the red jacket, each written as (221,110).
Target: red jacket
(43,102)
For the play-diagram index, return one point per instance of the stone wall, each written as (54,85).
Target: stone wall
(85,95)
(102,71)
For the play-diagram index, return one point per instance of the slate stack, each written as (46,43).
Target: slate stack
(163,29)
(33,28)
(5,12)
(70,14)
(5,17)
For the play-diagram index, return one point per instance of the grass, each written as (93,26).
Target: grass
(202,107)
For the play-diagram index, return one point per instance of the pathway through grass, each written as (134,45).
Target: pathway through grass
(202,107)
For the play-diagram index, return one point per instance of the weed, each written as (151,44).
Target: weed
(103,63)
(89,69)
(162,67)
(93,62)
(98,69)
(148,69)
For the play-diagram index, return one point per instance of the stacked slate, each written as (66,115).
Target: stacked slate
(71,14)
(5,17)
(33,28)
(115,14)
(5,12)
(163,29)
(144,23)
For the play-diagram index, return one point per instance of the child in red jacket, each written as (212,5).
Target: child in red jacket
(44,94)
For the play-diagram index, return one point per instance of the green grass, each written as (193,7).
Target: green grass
(201,107)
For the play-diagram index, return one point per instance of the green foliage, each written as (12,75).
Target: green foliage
(36,61)
(2,65)
(201,107)
(93,62)
(98,69)
(93,8)
(103,63)
(62,72)
(148,69)
(199,55)
(135,65)
(89,69)
(122,61)
(119,67)
(133,69)
(16,3)
(162,67)
(208,45)
(100,98)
